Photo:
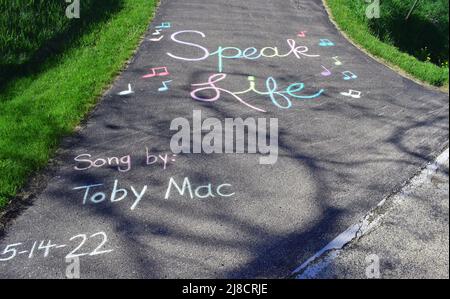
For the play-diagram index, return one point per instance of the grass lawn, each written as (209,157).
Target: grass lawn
(418,46)
(26,26)
(42,103)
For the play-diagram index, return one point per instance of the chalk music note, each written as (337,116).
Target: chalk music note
(302,34)
(352,93)
(126,92)
(157,72)
(326,72)
(164,25)
(326,43)
(156,39)
(165,86)
(349,75)
(337,61)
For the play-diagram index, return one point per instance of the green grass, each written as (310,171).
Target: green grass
(43,103)
(418,46)
(27,25)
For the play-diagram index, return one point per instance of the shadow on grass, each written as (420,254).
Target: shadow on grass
(91,13)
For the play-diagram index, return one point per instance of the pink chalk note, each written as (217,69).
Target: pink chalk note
(157,72)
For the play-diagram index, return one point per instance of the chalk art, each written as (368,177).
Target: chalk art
(165,86)
(156,39)
(250,53)
(200,192)
(124,163)
(352,93)
(164,25)
(119,191)
(337,61)
(44,248)
(157,32)
(349,75)
(326,43)
(269,91)
(281,99)
(127,92)
(117,194)
(163,159)
(85,162)
(157,72)
(326,72)
(272,92)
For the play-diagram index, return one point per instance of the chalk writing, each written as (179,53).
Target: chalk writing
(273,92)
(84,162)
(124,163)
(117,194)
(164,159)
(157,32)
(12,251)
(251,53)
(200,192)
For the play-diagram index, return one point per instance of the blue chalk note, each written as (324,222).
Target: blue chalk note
(164,25)
(326,43)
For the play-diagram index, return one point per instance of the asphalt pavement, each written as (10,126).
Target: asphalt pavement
(353,135)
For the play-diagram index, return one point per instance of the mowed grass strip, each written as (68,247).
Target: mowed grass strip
(27,26)
(36,111)
(351,18)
